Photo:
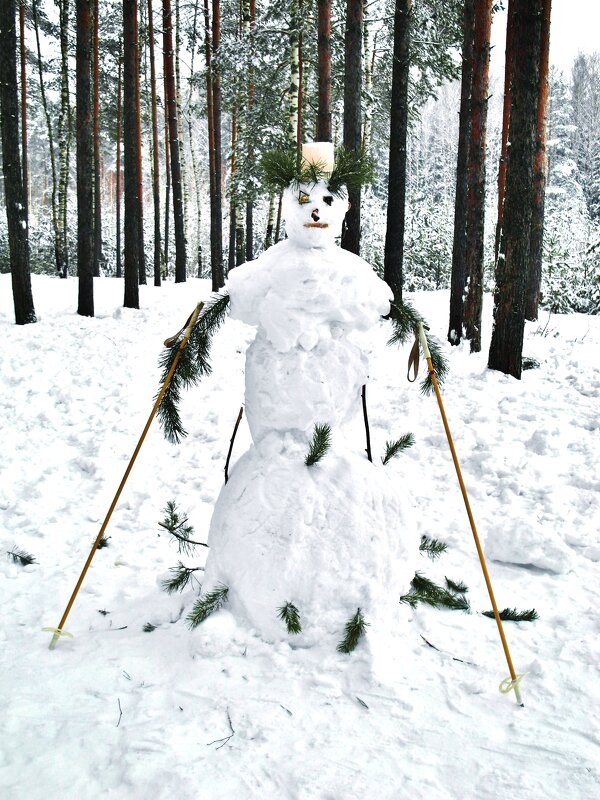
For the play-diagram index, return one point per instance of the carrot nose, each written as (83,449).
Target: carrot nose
(315,215)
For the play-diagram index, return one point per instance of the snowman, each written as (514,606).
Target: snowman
(330,540)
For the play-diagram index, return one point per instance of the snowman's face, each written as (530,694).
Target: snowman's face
(313,215)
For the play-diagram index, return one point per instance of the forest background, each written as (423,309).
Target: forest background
(256,48)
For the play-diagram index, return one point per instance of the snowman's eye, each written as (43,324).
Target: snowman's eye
(328,199)
(303,198)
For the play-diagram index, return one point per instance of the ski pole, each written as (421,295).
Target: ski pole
(513,681)
(58,631)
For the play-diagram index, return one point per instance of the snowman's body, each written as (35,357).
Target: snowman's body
(329,538)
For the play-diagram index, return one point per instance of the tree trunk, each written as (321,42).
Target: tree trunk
(218,278)
(324,132)
(211,128)
(97,184)
(180,255)
(138,155)
(232,200)
(64,141)
(85,159)
(508,62)
(14,193)
(250,108)
(195,171)
(184,198)
(130,177)
(278,223)
(155,146)
(118,166)
(511,273)
(294,76)
(476,172)
(270,222)
(352,114)
(167,178)
(458,277)
(540,170)
(394,235)
(24,144)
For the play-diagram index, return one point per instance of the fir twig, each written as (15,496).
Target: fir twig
(21,557)
(405,319)
(149,627)
(529,363)
(207,605)
(512,615)
(433,547)
(282,168)
(320,444)
(193,364)
(394,448)
(181,576)
(355,628)
(103,543)
(290,615)
(178,528)
(457,588)
(424,590)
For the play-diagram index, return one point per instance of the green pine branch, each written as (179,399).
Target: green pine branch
(103,543)
(207,605)
(21,557)
(181,576)
(355,628)
(290,615)
(178,528)
(424,590)
(283,168)
(394,448)
(405,319)
(512,615)
(320,444)
(193,364)
(432,547)
(149,627)
(457,588)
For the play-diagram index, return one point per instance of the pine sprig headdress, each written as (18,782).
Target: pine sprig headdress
(283,168)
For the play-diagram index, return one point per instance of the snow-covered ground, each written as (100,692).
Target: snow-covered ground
(120,712)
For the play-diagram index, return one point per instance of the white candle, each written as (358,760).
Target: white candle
(320,153)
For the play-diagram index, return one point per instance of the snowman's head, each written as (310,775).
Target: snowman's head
(313,214)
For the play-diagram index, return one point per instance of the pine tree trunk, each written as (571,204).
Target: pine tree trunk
(138,154)
(14,194)
(540,170)
(369,68)
(352,114)
(458,277)
(278,223)
(511,272)
(232,201)
(178,95)
(218,278)
(508,62)
(176,179)
(167,179)
(324,131)
(250,109)
(97,183)
(195,171)
(85,159)
(294,76)
(155,148)
(24,142)
(118,167)
(394,235)
(476,173)
(130,176)
(64,140)
(211,128)
(270,222)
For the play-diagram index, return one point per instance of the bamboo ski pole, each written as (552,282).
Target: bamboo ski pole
(513,682)
(58,631)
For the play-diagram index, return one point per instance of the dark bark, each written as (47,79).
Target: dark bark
(167,181)
(130,162)
(138,156)
(511,272)
(232,202)
(458,277)
(324,133)
(476,173)
(394,235)
(155,164)
(24,143)
(64,140)
(176,179)
(278,223)
(85,158)
(250,155)
(352,114)
(540,168)
(508,60)
(118,167)
(14,194)
(216,227)
(97,167)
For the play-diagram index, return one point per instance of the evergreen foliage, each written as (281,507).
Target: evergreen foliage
(393,449)
(180,578)
(405,319)
(530,363)
(424,590)
(432,547)
(512,615)
(178,528)
(457,588)
(320,444)
(283,168)
(149,627)
(290,615)
(355,628)
(103,543)
(21,557)
(193,364)
(207,605)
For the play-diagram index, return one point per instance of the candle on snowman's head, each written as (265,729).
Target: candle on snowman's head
(319,153)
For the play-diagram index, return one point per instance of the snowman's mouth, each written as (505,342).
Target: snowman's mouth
(316,224)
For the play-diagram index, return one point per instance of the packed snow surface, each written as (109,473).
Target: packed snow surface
(219,712)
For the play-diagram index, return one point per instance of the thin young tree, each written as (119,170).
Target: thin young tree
(508,61)
(118,164)
(174,143)
(511,271)
(394,235)
(138,155)
(24,138)
(130,162)
(324,132)
(14,192)
(476,172)
(155,147)
(458,276)
(352,114)
(540,168)
(85,157)
(249,30)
